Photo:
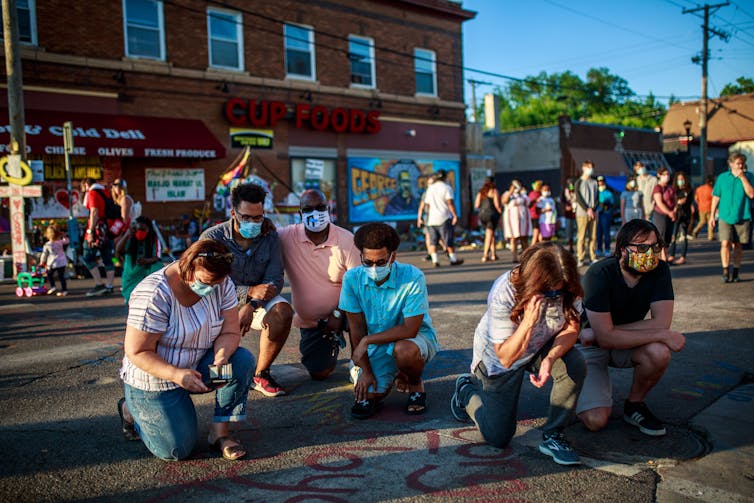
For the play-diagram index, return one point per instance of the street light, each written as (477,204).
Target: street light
(687,126)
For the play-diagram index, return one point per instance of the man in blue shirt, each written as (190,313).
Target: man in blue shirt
(390,329)
(732,195)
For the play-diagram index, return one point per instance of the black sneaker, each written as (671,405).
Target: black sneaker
(364,409)
(639,415)
(557,447)
(97,290)
(109,290)
(457,262)
(458,410)
(726,278)
(436,264)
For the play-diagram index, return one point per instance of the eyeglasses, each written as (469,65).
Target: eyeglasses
(379,263)
(553,294)
(228,257)
(644,247)
(309,209)
(250,218)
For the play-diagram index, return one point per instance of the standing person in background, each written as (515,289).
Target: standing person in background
(548,213)
(487,202)
(98,243)
(605,218)
(54,259)
(645,182)
(534,196)
(587,201)
(665,210)
(631,202)
(703,198)
(568,199)
(683,216)
(517,222)
(732,195)
(142,251)
(119,190)
(442,217)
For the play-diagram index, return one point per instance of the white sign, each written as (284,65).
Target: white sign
(166,185)
(314,169)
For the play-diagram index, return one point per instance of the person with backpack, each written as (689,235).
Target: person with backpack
(104,223)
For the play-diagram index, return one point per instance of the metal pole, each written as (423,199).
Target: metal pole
(15,81)
(703,114)
(73,225)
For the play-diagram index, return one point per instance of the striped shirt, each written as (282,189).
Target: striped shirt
(187,332)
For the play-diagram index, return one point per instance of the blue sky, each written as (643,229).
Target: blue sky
(647,42)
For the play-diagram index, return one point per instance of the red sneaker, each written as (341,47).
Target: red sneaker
(267,385)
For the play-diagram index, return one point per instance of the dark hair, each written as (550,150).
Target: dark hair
(736,155)
(376,235)
(489,184)
(218,265)
(709,179)
(662,170)
(543,266)
(133,243)
(88,181)
(249,192)
(633,229)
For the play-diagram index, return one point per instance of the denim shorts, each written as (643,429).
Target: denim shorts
(105,252)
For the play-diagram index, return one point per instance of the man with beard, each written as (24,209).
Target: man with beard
(618,293)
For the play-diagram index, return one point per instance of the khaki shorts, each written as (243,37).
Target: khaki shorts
(598,390)
(735,233)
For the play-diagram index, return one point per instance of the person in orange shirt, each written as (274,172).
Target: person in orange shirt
(316,255)
(703,198)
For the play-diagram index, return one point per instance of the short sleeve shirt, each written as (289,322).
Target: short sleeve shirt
(605,291)
(667,193)
(401,296)
(496,327)
(735,206)
(437,196)
(187,332)
(94,200)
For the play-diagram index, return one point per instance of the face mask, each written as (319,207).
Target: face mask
(378,273)
(141,235)
(681,182)
(588,172)
(545,194)
(201,289)
(642,171)
(600,187)
(632,185)
(249,230)
(316,221)
(641,262)
(664,179)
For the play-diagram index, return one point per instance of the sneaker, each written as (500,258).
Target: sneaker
(726,278)
(436,264)
(267,385)
(428,258)
(557,447)
(52,290)
(109,290)
(457,262)
(458,410)
(639,415)
(62,294)
(97,290)
(364,409)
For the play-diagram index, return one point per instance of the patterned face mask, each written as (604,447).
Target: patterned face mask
(642,262)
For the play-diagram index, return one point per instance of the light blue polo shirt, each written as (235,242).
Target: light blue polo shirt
(401,296)
(735,206)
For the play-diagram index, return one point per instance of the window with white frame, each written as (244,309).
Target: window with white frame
(144,29)
(425,71)
(299,52)
(27,22)
(361,56)
(225,34)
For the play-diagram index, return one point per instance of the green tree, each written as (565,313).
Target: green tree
(743,85)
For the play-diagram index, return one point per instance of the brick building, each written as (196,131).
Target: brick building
(348,95)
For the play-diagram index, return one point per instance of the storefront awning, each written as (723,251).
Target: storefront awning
(115,135)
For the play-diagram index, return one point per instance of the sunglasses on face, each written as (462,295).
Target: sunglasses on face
(379,263)
(309,209)
(228,257)
(644,247)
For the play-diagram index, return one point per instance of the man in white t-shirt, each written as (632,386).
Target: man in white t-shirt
(442,216)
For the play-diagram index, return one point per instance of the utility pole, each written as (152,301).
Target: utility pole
(474,83)
(15,82)
(706,30)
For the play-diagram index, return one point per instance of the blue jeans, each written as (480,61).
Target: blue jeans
(166,420)
(605,220)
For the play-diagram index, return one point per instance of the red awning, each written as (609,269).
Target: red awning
(115,135)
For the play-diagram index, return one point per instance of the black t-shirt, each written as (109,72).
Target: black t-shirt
(605,291)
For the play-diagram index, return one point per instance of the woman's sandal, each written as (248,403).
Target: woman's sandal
(231,452)
(129,431)
(416,403)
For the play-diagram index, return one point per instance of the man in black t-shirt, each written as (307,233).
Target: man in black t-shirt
(618,293)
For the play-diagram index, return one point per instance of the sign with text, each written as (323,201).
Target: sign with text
(252,138)
(167,185)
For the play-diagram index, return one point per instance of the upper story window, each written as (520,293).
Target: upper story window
(425,71)
(361,56)
(27,22)
(144,28)
(299,52)
(225,34)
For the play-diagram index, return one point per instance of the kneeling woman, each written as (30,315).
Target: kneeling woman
(181,319)
(531,324)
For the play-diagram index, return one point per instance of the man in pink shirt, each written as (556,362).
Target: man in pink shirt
(316,254)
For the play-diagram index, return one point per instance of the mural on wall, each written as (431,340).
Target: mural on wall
(55,202)
(391,189)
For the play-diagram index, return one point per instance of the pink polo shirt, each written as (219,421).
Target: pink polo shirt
(315,272)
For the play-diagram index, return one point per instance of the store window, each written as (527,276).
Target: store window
(425,71)
(144,28)
(314,173)
(299,52)
(225,34)
(361,56)
(27,22)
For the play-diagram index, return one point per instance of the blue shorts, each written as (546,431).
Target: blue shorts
(443,231)
(106,251)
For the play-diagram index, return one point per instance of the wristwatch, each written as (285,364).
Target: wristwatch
(336,314)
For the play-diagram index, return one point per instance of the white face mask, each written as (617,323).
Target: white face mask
(588,171)
(546,194)
(316,221)
(641,171)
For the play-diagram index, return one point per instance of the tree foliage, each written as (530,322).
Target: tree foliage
(742,85)
(603,98)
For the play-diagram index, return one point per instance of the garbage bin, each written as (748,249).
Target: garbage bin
(6,268)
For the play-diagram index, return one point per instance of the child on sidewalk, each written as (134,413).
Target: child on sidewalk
(54,259)
(548,213)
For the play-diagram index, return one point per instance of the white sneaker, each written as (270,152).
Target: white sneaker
(52,291)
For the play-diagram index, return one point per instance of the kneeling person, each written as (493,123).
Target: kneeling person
(390,329)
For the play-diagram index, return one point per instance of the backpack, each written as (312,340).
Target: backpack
(112,209)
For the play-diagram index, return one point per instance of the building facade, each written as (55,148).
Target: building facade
(361,98)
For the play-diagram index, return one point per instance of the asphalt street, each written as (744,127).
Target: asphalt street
(60,433)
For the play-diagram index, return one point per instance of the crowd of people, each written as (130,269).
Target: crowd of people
(186,319)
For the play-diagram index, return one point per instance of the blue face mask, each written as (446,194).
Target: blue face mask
(201,289)
(249,230)
(378,273)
